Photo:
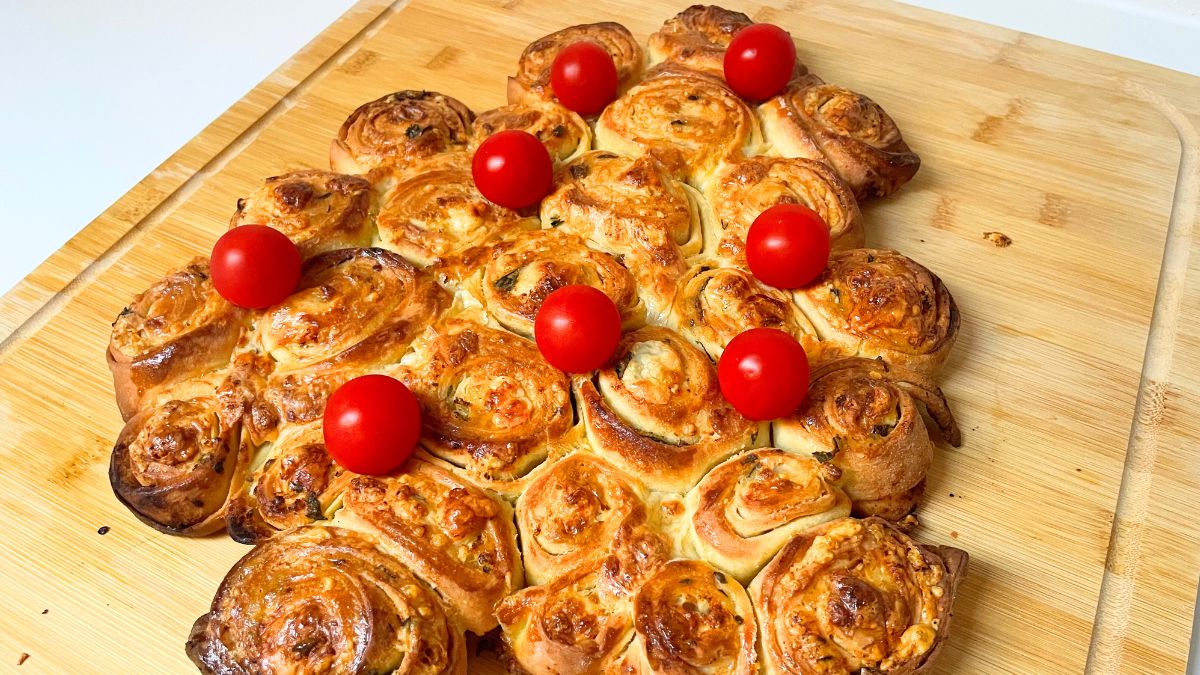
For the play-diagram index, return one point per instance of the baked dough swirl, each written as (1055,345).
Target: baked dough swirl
(688,121)
(628,207)
(490,403)
(437,210)
(519,273)
(691,618)
(564,133)
(656,410)
(317,600)
(745,509)
(855,595)
(177,329)
(175,463)
(532,80)
(744,190)
(574,512)
(697,38)
(846,129)
(872,302)
(295,482)
(449,532)
(714,304)
(354,311)
(398,129)
(318,210)
(861,418)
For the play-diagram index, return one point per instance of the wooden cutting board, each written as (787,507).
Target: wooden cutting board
(1073,154)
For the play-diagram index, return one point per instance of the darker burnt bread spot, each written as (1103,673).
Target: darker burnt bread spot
(294,194)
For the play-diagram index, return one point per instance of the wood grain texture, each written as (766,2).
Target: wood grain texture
(1074,155)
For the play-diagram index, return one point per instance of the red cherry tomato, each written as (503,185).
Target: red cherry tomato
(760,61)
(512,169)
(787,246)
(577,329)
(584,77)
(254,266)
(372,424)
(763,373)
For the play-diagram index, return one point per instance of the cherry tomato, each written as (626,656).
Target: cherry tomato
(372,424)
(577,328)
(763,373)
(512,169)
(787,246)
(760,61)
(254,266)
(584,77)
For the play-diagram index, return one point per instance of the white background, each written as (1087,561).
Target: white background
(96,94)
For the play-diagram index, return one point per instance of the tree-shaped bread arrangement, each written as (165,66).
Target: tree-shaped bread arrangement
(605,371)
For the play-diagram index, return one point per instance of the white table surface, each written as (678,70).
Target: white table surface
(99,93)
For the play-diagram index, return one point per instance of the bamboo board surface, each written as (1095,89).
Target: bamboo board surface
(1074,154)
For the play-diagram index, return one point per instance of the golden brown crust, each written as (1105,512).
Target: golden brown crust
(714,304)
(744,190)
(564,133)
(855,594)
(449,532)
(490,403)
(295,483)
(177,329)
(861,417)
(175,463)
(519,273)
(318,210)
(657,410)
(697,38)
(874,302)
(691,618)
(532,80)
(437,210)
(320,599)
(689,122)
(848,130)
(575,512)
(628,207)
(354,311)
(745,509)
(398,129)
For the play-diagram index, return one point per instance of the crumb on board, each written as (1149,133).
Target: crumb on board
(998,239)
(953,534)
(1080,470)
(45,611)
(22,659)
(103,530)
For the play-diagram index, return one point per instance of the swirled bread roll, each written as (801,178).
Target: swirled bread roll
(861,417)
(176,462)
(580,622)
(490,403)
(745,509)
(437,210)
(657,411)
(575,512)
(354,311)
(628,207)
(846,129)
(872,302)
(532,81)
(714,304)
(688,121)
(744,190)
(697,38)
(564,133)
(318,210)
(177,329)
(449,532)
(519,273)
(691,618)
(293,482)
(855,595)
(398,129)
(325,600)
